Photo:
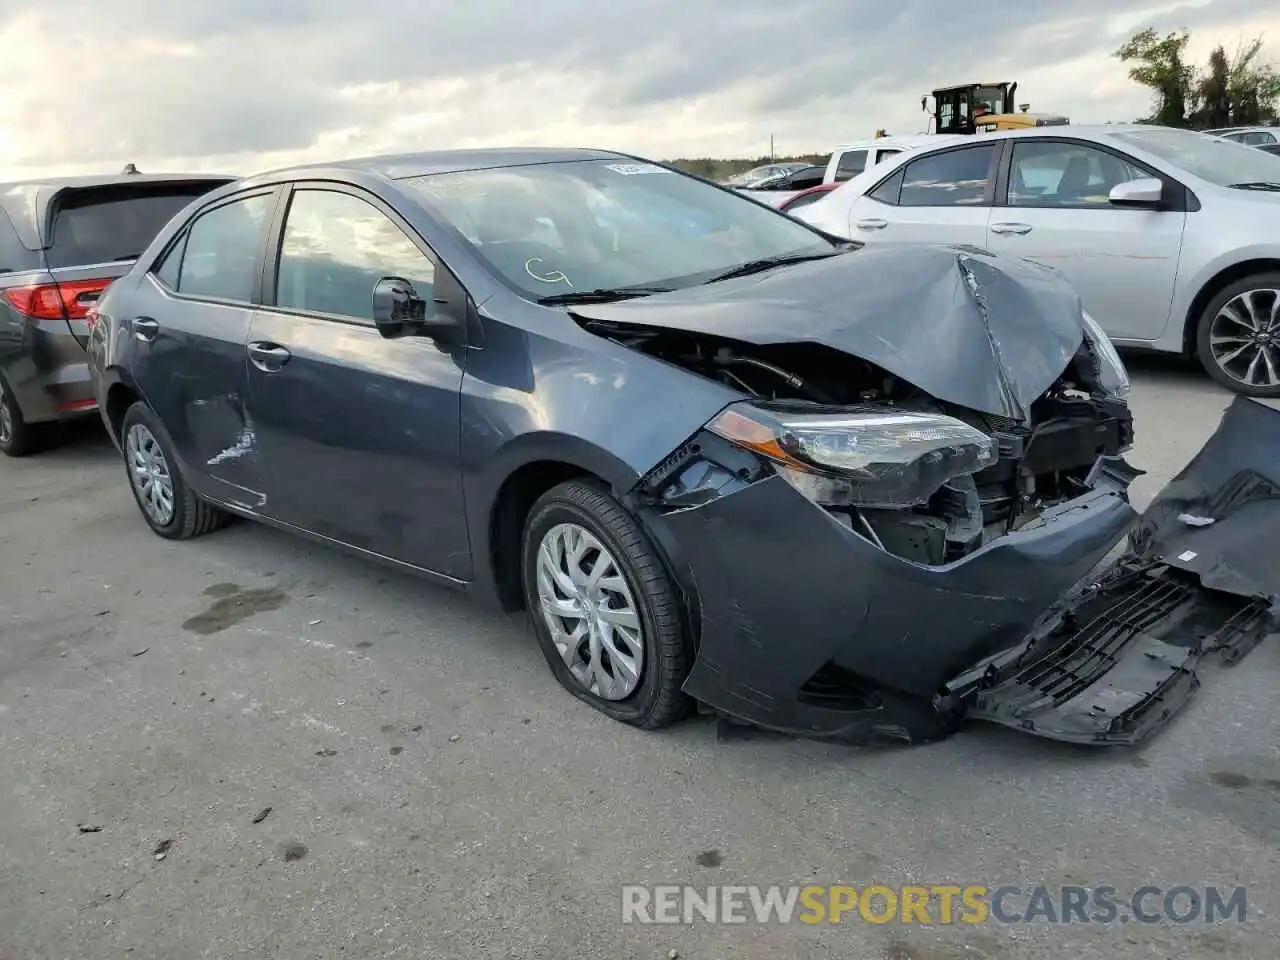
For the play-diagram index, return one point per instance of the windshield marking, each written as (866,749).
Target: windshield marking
(555,276)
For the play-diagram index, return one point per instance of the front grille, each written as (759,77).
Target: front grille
(1094,649)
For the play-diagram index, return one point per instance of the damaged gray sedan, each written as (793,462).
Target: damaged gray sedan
(721,458)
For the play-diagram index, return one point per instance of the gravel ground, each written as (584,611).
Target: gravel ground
(430,792)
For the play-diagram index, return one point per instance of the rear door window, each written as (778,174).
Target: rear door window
(957,178)
(113,223)
(221,255)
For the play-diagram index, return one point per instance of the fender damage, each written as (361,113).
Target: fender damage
(865,623)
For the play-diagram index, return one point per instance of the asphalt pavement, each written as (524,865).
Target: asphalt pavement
(247,745)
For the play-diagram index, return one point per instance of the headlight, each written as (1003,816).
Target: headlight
(866,456)
(1113,378)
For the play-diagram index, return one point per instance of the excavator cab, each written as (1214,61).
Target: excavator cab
(981,108)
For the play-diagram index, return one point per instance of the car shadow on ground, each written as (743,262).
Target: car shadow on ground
(84,439)
(1168,367)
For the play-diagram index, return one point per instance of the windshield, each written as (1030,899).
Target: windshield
(1217,161)
(560,228)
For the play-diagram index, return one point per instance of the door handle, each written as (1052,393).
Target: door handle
(268,357)
(873,224)
(1018,228)
(145,329)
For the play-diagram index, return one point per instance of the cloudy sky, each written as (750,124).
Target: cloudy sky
(241,85)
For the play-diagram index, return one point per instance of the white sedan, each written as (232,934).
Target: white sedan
(1171,237)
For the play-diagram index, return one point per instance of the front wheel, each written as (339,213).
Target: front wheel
(170,507)
(606,613)
(1238,338)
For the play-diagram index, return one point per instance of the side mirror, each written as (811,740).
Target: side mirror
(398,311)
(1147,192)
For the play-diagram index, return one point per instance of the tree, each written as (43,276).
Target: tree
(1236,91)
(1252,88)
(1214,93)
(1158,63)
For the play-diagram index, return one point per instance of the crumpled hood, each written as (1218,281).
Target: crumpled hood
(984,332)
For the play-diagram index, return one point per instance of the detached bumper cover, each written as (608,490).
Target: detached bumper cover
(1116,662)
(809,629)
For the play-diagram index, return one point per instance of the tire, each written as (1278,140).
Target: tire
(189,516)
(656,699)
(17,437)
(1266,286)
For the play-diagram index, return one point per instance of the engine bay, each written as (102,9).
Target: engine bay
(1043,461)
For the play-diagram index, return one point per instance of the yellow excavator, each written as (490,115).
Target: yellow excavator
(982,108)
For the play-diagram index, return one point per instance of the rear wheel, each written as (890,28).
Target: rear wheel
(605,611)
(170,507)
(1238,339)
(17,437)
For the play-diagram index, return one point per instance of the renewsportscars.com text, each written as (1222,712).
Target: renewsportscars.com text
(938,904)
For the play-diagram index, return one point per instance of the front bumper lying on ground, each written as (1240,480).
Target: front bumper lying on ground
(808,628)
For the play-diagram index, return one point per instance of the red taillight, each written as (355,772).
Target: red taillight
(72,299)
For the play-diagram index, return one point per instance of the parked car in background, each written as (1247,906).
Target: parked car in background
(1169,235)
(1249,136)
(61,243)
(845,162)
(778,190)
(805,197)
(850,159)
(767,171)
(751,465)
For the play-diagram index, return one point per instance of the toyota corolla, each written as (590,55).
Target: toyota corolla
(749,466)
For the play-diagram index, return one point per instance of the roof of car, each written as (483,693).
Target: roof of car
(908,140)
(27,203)
(1257,128)
(402,165)
(1084,131)
(106,180)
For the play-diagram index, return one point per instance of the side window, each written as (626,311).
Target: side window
(220,254)
(335,248)
(1065,175)
(957,178)
(170,267)
(885,154)
(888,191)
(851,164)
(13,256)
(946,115)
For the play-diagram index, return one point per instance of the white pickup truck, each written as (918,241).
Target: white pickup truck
(846,162)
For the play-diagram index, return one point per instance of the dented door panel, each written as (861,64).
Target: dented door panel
(193,375)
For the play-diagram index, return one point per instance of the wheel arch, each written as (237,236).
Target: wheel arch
(1215,285)
(500,500)
(120,397)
